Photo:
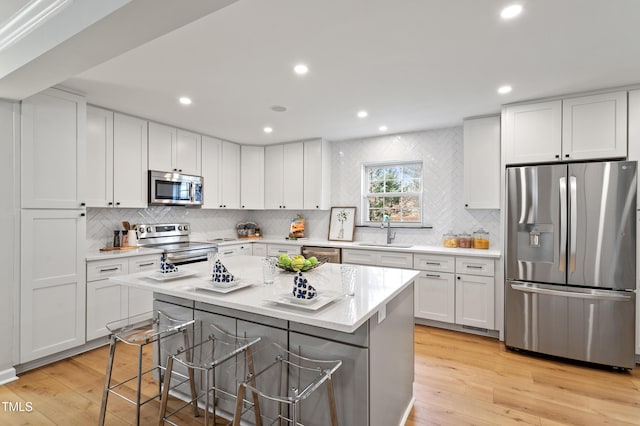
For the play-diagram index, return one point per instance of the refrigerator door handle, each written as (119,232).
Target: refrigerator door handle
(593,294)
(573,213)
(563,224)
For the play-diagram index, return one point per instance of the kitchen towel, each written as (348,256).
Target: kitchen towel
(220,273)
(166,267)
(302,289)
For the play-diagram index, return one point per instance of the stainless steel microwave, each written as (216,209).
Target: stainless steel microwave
(174,189)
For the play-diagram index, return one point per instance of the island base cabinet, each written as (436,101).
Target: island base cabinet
(350,382)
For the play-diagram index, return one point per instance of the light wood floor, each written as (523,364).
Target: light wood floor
(461,379)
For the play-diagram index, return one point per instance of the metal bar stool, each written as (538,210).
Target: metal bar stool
(140,331)
(297,378)
(215,348)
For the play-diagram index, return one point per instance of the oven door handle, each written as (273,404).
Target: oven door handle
(186,256)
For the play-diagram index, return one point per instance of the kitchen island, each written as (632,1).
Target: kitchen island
(371,332)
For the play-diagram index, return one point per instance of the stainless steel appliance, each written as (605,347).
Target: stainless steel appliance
(326,254)
(571,261)
(174,189)
(173,238)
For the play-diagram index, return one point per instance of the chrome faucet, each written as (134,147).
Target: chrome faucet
(386,218)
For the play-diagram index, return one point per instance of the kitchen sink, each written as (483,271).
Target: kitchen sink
(384,245)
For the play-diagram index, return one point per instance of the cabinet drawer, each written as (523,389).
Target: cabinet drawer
(358,257)
(395,260)
(143,263)
(475,266)
(101,269)
(434,262)
(228,251)
(278,249)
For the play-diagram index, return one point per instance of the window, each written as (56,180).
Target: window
(394,189)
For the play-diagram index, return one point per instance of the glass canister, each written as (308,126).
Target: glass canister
(450,240)
(481,239)
(464,240)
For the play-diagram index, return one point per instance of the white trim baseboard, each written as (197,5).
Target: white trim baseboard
(8,375)
(403,421)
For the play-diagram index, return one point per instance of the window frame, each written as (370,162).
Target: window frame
(364,194)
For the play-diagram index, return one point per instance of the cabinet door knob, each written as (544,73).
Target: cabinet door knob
(180,170)
(459,277)
(317,207)
(110,203)
(566,156)
(82,214)
(243,206)
(557,156)
(83,204)
(118,203)
(466,205)
(175,170)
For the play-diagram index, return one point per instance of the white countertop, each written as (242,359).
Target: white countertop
(492,253)
(114,254)
(374,288)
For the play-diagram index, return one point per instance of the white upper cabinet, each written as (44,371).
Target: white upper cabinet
(252,177)
(317,174)
(130,176)
(482,163)
(284,176)
(581,128)
(594,126)
(53,150)
(100,156)
(172,149)
(117,159)
(532,133)
(221,173)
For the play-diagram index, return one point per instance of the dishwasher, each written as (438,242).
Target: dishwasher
(325,254)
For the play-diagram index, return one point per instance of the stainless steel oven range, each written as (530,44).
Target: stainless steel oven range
(173,238)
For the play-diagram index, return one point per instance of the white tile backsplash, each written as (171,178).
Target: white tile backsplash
(440,151)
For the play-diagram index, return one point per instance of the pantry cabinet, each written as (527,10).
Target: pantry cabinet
(283,176)
(221,173)
(52,290)
(117,153)
(317,175)
(172,149)
(482,163)
(53,147)
(252,177)
(579,128)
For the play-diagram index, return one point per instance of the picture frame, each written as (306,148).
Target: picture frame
(342,223)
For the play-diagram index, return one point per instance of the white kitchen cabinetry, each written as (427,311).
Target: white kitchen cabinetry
(580,128)
(172,149)
(594,126)
(252,177)
(52,291)
(53,150)
(221,173)
(467,300)
(283,176)
(108,302)
(378,258)
(475,287)
(278,249)
(435,288)
(317,174)
(235,250)
(117,153)
(259,249)
(482,163)
(532,133)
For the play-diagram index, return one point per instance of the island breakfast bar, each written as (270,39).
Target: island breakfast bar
(371,332)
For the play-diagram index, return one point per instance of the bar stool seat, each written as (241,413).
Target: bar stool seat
(215,347)
(296,378)
(140,331)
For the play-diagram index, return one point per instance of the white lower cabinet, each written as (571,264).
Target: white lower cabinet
(278,249)
(455,289)
(259,249)
(235,250)
(52,290)
(378,258)
(108,302)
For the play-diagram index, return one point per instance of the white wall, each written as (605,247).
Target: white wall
(8,283)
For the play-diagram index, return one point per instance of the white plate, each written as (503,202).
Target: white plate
(182,273)
(314,304)
(210,286)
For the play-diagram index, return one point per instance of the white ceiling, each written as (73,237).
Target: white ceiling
(412,64)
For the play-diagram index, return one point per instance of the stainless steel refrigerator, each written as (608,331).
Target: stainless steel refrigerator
(571,261)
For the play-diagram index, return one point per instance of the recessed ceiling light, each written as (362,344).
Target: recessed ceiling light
(301,69)
(268,130)
(383,128)
(511,11)
(503,90)
(184,100)
(362,114)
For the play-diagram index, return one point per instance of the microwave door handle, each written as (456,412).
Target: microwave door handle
(573,214)
(192,192)
(563,224)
